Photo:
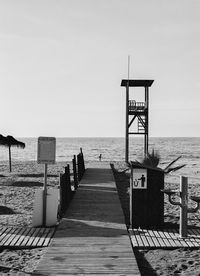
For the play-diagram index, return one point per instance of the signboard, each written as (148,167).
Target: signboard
(46,150)
(139,179)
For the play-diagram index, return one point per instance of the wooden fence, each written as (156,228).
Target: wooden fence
(69,186)
(81,165)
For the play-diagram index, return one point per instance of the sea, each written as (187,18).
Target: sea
(112,149)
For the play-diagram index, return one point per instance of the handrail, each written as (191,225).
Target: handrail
(133,105)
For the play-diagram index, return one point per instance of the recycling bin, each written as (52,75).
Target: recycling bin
(146,198)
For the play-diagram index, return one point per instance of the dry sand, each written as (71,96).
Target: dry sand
(16,207)
(17,191)
(158,261)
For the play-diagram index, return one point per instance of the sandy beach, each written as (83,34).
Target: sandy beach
(159,261)
(17,191)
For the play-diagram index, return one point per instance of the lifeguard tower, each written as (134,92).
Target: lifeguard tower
(137,112)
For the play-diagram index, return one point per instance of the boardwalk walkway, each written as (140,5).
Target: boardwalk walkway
(92,238)
(25,237)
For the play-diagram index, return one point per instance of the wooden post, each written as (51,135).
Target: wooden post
(127,123)
(61,195)
(68,185)
(10,165)
(131,198)
(184,206)
(75,172)
(79,166)
(44,196)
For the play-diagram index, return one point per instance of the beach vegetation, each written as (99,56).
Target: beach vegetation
(152,160)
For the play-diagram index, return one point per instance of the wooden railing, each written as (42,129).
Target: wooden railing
(81,165)
(136,106)
(69,186)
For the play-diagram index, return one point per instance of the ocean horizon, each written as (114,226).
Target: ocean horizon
(113,149)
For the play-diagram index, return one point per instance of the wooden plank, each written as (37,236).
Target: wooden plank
(48,237)
(195,240)
(154,239)
(25,237)
(43,237)
(34,234)
(92,237)
(37,238)
(165,239)
(144,238)
(20,237)
(28,237)
(3,234)
(138,238)
(6,235)
(189,242)
(159,237)
(133,238)
(169,239)
(12,236)
(150,240)
(175,238)
(195,232)
(3,229)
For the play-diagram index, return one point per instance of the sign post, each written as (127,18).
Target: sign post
(46,155)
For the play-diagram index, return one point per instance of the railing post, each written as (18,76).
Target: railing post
(68,185)
(83,162)
(184,204)
(75,172)
(59,206)
(79,167)
(62,195)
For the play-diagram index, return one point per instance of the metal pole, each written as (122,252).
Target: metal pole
(184,206)
(44,195)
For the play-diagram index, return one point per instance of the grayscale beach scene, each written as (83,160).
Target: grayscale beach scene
(99,137)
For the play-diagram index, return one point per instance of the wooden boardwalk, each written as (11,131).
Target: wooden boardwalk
(25,237)
(169,238)
(92,238)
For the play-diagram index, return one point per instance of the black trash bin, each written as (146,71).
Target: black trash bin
(147,199)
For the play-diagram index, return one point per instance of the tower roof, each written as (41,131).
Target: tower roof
(137,83)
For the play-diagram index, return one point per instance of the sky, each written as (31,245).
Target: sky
(62,62)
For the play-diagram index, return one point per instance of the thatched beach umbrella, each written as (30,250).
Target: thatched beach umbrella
(9,142)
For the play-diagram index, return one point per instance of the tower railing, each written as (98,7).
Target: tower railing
(136,106)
